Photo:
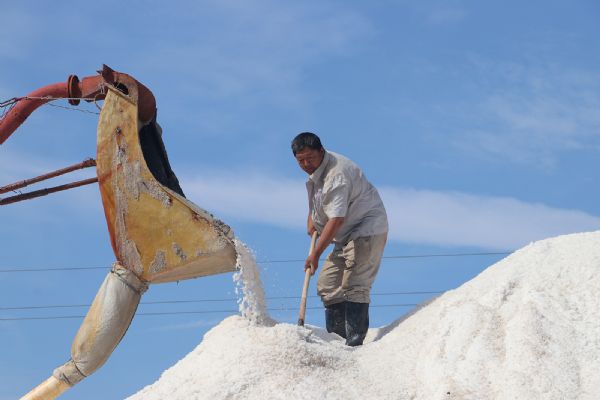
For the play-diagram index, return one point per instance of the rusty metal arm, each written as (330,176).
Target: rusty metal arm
(44,192)
(90,162)
(90,88)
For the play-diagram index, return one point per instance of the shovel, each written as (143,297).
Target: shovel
(306,281)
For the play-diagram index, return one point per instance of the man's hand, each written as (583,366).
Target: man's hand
(329,231)
(312,262)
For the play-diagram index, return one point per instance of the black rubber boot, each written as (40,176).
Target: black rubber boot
(357,323)
(335,318)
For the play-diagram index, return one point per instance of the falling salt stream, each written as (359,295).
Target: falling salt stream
(248,286)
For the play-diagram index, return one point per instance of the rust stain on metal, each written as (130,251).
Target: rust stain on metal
(179,252)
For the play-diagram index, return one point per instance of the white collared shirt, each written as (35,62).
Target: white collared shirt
(338,188)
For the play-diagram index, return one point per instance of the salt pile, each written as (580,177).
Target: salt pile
(525,328)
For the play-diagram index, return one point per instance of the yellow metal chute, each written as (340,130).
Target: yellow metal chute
(156,233)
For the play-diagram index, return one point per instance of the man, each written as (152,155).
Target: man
(344,208)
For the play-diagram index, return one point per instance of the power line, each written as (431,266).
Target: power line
(203,301)
(193,312)
(502,253)
(10,103)
(73,109)
(17,270)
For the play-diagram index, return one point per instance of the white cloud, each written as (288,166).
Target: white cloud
(217,50)
(446,14)
(18,166)
(416,216)
(258,50)
(20,24)
(21,31)
(252,197)
(538,114)
(438,12)
(225,58)
(462,219)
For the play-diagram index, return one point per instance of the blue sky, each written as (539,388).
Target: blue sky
(478,121)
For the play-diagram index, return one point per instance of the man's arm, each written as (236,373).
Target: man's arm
(329,231)
(310,227)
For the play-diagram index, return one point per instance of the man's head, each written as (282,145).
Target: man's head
(309,151)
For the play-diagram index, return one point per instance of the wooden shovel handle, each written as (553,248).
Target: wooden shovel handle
(313,241)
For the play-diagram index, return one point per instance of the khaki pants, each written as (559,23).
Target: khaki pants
(350,269)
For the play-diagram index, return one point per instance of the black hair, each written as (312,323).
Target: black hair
(306,139)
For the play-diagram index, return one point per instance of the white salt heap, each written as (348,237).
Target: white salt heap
(528,327)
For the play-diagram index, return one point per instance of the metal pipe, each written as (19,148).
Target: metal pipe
(18,185)
(44,192)
(89,88)
(24,107)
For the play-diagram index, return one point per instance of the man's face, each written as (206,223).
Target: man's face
(310,159)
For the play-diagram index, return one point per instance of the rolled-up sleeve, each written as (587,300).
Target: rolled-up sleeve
(336,197)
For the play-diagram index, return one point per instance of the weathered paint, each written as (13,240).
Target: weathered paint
(155,232)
